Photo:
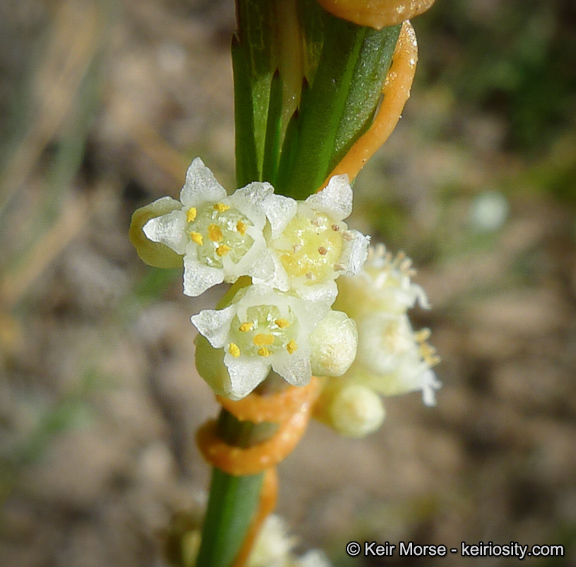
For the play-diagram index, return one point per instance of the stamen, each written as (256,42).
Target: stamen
(191,214)
(221,207)
(263,339)
(263,351)
(292,346)
(215,233)
(282,323)
(223,250)
(241,227)
(245,327)
(422,335)
(335,228)
(234,350)
(197,238)
(322,251)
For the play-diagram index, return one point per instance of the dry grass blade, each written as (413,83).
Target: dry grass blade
(75,40)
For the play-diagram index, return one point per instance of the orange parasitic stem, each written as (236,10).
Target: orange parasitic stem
(253,460)
(376,13)
(291,409)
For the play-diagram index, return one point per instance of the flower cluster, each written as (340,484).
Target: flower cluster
(279,317)
(392,358)
(290,262)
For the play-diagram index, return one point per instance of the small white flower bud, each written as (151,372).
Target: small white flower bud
(333,344)
(353,410)
(211,367)
(154,253)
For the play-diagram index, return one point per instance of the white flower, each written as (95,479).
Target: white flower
(261,329)
(383,285)
(273,545)
(393,359)
(220,237)
(313,246)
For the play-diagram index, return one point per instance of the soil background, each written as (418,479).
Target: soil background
(102,107)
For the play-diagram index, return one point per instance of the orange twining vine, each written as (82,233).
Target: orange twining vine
(291,408)
(396,91)
(376,13)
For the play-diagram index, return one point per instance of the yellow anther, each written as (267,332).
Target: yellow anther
(282,323)
(197,238)
(263,339)
(234,350)
(292,347)
(245,327)
(263,351)
(215,233)
(223,250)
(241,227)
(191,214)
(221,207)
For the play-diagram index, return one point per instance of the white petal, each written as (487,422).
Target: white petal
(325,293)
(257,253)
(335,199)
(294,368)
(169,230)
(215,324)
(249,199)
(354,252)
(262,268)
(200,186)
(198,277)
(280,211)
(245,375)
(278,278)
(429,384)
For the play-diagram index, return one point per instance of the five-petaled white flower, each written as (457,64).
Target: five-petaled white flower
(261,329)
(393,359)
(312,245)
(384,285)
(220,237)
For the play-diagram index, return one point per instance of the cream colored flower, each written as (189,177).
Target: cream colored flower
(262,329)
(312,245)
(221,237)
(392,358)
(384,285)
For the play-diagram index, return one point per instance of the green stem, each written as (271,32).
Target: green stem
(233,500)
(340,90)
(322,109)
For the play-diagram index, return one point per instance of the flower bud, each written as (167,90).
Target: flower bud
(333,343)
(211,367)
(154,253)
(351,409)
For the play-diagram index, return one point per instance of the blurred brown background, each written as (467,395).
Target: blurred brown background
(102,106)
